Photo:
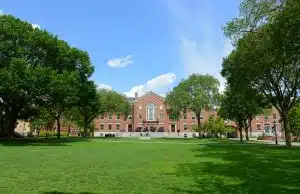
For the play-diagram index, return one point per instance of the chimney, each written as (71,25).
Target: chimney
(136,95)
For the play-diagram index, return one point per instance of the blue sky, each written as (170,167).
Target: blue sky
(137,45)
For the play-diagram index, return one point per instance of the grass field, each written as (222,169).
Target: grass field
(99,166)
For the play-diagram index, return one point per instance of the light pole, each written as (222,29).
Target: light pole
(275,132)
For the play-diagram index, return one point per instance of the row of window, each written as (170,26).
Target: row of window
(185,127)
(266,117)
(150,118)
(110,117)
(109,126)
(266,126)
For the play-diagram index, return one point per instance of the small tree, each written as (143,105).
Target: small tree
(294,121)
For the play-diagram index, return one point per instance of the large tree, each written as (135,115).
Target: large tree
(36,70)
(267,52)
(196,93)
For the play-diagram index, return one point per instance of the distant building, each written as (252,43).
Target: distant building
(149,114)
(22,127)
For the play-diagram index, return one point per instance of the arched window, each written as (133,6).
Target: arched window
(150,112)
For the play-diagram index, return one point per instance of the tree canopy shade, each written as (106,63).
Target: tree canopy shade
(196,93)
(36,70)
(267,57)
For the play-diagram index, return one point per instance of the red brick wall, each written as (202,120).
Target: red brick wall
(140,107)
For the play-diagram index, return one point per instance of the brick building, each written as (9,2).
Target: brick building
(149,113)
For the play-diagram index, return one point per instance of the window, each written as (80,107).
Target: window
(118,117)
(102,126)
(193,116)
(161,115)
(110,117)
(258,127)
(129,116)
(274,116)
(102,117)
(109,126)
(268,129)
(118,126)
(201,116)
(140,115)
(150,112)
(185,127)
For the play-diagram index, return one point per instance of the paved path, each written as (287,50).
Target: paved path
(154,142)
(279,142)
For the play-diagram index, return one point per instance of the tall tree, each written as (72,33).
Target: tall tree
(196,93)
(88,105)
(36,68)
(267,52)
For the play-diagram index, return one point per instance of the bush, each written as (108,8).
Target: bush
(260,137)
(17,135)
(64,133)
(50,133)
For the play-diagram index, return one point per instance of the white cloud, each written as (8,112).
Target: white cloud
(104,86)
(36,26)
(201,46)
(158,83)
(120,62)
(1,12)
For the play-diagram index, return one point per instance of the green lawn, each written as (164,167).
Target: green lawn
(98,166)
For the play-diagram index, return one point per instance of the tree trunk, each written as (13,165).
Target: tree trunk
(247,136)
(85,128)
(241,134)
(69,130)
(46,133)
(250,126)
(58,127)
(198,120)
(38,132)
(198,124)
(11,126)
(287,134)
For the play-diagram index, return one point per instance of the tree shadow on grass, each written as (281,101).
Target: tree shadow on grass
(43,141)
(242,169)
(58,192)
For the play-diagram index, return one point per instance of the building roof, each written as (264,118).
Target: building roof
(150,93)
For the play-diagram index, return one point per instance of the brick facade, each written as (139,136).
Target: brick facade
(149,113)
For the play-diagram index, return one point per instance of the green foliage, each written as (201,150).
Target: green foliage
(37,70)
(266,58)
(50,133)
(196,93)
(215,126)
(294,121)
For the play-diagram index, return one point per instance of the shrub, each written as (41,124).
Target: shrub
(260,137)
